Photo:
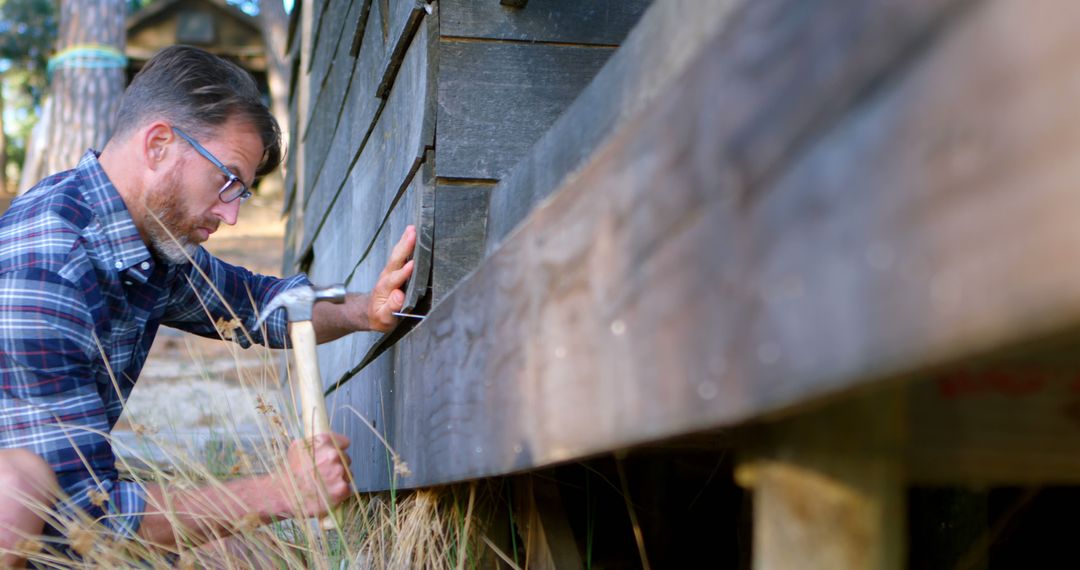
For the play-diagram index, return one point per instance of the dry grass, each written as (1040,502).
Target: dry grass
(433,528)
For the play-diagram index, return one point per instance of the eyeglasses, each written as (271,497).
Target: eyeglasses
(234,188)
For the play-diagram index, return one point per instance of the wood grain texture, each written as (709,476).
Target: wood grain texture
(327,38)
(497,99)
(359,112)
(422,191)
(414,207)
(402,22)
(655,53)
(389,153)
(655,296)
(460,223)
(360,409)
(602,22)
(329,99)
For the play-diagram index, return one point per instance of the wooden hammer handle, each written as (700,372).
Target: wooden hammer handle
(309,384)
(309,380)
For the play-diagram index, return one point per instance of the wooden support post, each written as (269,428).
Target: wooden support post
(544,529)
(829,488)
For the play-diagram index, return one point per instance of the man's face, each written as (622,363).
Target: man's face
(185,209)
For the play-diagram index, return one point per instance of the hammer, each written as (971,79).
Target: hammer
(298,303)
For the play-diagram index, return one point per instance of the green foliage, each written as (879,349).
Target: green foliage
(27,35)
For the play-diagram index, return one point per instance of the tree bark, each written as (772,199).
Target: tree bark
(84,96)
(274,23)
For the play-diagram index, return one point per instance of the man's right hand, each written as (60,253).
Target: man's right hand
(316,474)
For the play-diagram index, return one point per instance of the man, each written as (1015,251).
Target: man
(94,259)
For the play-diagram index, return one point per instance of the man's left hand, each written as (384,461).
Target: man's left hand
(387,298)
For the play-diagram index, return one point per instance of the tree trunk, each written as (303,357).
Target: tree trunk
(85,91)
(274,23)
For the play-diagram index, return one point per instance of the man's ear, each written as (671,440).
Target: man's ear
(157,144)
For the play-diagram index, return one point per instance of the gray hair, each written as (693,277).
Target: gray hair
(198,92)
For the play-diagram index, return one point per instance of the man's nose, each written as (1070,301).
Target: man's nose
(228,212)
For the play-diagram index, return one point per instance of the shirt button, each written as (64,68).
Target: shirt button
(119,264)
(145,265)
(128,283)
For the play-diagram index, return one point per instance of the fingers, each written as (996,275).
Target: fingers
(395,279)
(403,249)
(337,440)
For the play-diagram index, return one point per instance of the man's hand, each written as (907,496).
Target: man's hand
(317,474)
(386,297)
(369,311)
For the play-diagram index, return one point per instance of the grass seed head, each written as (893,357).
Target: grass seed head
(29,547)
(98,498)
(249,522)
(227,329)
(186,562)
(82,541)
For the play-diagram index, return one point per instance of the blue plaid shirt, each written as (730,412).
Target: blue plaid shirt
(81,298)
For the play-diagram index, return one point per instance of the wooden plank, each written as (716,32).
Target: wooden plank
(402,22)
(327,110)
(360,410)
(829,487)
(340,258)
(391,153)
(1012,420)
(359,112)
(605,323)
(414,207)
(361,28)
(545,531)
(302,101)
(318,10)
(655,53)
(422,191)
(600,22)
(497,99)
(326,38)
(460,223)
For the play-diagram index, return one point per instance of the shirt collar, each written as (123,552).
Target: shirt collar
(128,251)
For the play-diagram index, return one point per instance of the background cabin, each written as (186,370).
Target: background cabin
(213,25)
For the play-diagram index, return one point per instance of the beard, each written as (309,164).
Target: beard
(171,230)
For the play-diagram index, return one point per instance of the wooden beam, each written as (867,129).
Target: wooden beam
(1012,420)
(639,302)
(543,526)
(596,22)
(829,487)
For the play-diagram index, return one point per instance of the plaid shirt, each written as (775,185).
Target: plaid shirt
(81,299)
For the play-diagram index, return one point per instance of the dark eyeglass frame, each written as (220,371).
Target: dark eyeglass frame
(244,192)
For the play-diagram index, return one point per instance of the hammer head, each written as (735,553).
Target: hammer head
(298,301)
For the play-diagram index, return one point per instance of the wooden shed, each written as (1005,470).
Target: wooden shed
(214,25)
(821,248)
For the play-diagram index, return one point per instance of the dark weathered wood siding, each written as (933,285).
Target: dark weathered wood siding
(410,113)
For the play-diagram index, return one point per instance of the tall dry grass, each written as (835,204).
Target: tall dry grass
(439,528)
(434,528)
